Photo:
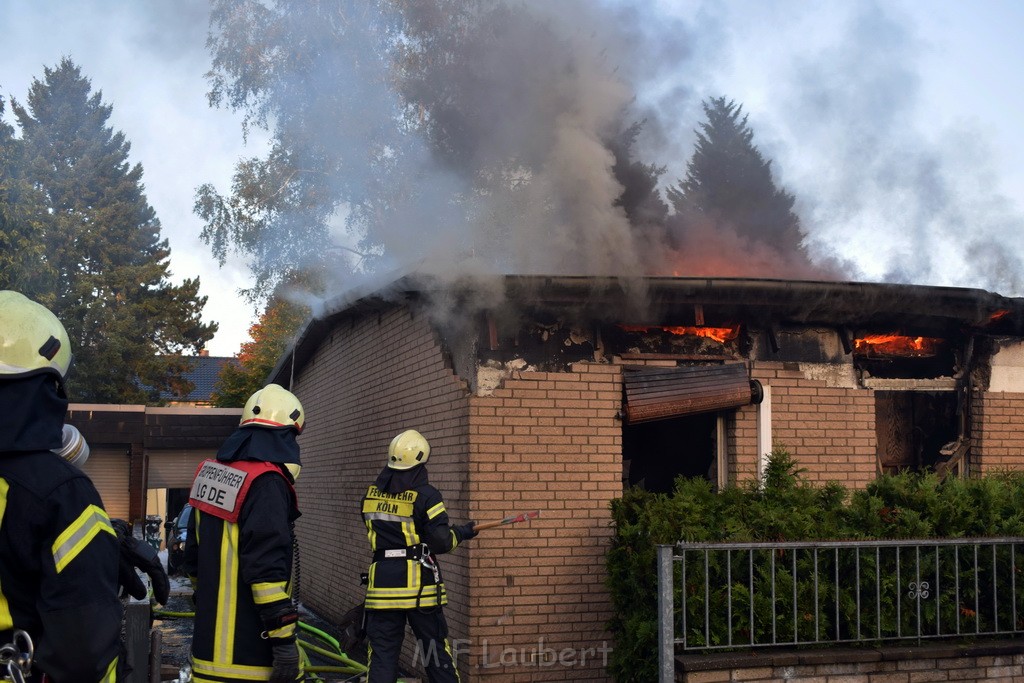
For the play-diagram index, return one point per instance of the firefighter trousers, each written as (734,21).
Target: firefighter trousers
(385,631)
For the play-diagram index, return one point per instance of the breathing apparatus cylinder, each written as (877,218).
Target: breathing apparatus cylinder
(73,446)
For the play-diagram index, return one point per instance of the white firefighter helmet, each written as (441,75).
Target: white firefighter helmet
(407,450)
(32,340)
(273,407)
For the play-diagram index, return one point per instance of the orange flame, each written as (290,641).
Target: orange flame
(998,315)
(897,345)
(719,334)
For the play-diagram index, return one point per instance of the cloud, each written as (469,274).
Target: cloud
(148,60)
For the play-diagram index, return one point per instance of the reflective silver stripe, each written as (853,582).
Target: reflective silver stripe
(252,673)
(435,511)
(262,593)
(79,533)
(384,517)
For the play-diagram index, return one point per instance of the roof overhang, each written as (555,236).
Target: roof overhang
(941,311)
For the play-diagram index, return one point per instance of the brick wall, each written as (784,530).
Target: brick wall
(829,431)
(744,456)
(550,441)
(528,602)
(982,661)
(372,378)
(998,441)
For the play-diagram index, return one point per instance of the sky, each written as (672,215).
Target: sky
(895,123)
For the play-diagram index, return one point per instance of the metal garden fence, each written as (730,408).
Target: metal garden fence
(715,596)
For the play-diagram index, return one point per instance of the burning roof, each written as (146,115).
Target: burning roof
(857,308)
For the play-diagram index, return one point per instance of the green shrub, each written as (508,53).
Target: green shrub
(786,508)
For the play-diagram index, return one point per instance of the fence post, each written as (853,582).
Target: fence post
(666,621)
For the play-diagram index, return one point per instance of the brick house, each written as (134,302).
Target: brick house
(142,458)
(134,450)
(554,393)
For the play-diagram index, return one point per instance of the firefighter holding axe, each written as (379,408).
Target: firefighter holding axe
(408,526)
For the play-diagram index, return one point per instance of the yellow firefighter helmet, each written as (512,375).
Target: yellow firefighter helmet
(273,407)
(32,340)
(407,450)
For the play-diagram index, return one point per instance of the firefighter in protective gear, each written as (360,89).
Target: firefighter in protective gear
(408,527)
(58,550)
(238,549)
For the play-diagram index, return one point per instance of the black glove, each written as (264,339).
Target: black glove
(466,531)
(286,660)
(136,553)
(277,616)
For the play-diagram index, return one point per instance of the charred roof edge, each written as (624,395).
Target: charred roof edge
(970,305)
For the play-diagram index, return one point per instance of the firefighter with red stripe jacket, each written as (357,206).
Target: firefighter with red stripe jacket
(408,527)
(238,548)
(58,550)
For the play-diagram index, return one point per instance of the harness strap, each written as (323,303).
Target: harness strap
(418,553)
(413,552)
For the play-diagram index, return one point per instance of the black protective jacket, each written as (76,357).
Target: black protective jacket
(58,551)
(402,511)
(243,567)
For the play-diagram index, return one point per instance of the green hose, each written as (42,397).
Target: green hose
(356,667)
(333,669)
(320,634)
(173,615)
(306,664)
(348,665)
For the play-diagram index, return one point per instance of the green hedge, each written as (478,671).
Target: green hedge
(787,508)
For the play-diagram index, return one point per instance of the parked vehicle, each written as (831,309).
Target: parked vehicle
(176,530)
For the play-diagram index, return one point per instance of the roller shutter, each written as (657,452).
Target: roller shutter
(175,469)
(660,393)
(109,468)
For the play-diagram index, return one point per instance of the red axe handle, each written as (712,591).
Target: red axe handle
(521,517)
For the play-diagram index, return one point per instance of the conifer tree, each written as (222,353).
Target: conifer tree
(23,265)
(128,323)
(729,183)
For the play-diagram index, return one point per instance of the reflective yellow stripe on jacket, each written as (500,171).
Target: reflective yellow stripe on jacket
(6,620)
(266,593)
(224,630)
(388,507)
(110,676)
(273,591)
(213,672)
(73,540)
(436,510)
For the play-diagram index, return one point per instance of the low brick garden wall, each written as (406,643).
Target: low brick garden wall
(993,661)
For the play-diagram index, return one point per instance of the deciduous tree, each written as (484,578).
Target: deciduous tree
(270,337)
(426,130)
